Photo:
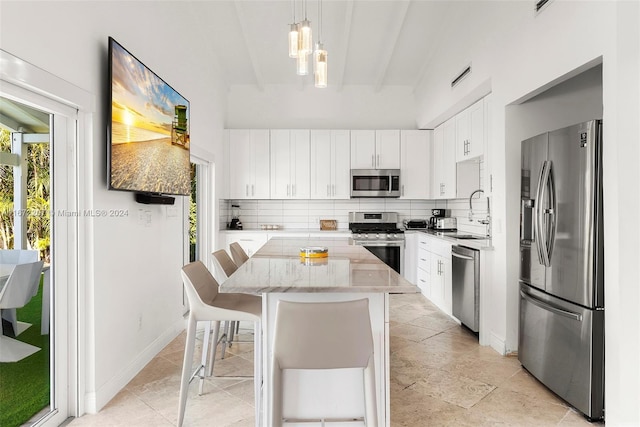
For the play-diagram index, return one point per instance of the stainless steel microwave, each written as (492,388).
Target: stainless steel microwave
(375,182)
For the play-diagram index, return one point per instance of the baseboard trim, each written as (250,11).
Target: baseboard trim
(95,401)
(498,344)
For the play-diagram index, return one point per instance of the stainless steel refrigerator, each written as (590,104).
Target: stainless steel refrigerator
(561,322)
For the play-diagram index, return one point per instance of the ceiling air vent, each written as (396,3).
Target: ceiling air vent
(461,76)
(540,4)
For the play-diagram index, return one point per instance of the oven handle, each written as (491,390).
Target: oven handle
(387,243)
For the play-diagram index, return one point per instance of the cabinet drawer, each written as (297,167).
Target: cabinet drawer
(424,282)
(424,242)
(424,260)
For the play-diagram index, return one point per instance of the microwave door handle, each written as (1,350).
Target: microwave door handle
(537,229)
(390,184)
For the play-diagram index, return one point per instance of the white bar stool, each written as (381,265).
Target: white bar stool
(207,304)
(332,335)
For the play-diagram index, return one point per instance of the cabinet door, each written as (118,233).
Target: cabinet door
(410,257)
(462,135)
(260,153)
(363,148)
(340,164)
(321,164)
(415,164)
(470,132)
(280,160)
(387,149)
(476,130)
(299,167)
(449,161)
(437,166)
(437,280)
(240,163)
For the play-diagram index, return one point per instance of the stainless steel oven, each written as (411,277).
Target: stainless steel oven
(375,182)
(378,232)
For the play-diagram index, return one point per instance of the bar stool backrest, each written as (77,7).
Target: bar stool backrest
(238,254)
(226,263)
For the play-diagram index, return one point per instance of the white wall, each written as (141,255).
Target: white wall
(517,54)
(353,107)
(134,290)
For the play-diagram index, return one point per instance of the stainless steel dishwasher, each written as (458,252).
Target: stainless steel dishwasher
(465,266)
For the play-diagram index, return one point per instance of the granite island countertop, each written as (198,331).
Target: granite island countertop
(278,267)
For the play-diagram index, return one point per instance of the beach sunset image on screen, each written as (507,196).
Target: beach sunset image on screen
(149,129)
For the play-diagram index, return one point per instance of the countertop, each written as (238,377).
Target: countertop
(278,267)
(479,243)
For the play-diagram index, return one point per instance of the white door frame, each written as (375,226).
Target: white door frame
(72,109)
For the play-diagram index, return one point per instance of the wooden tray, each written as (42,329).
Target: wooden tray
(328,224)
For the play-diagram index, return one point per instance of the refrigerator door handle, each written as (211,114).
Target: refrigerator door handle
(545,306)
(551,237)
(544,245)
(537,220)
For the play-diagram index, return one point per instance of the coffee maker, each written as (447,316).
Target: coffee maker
(435,214)
(235,223)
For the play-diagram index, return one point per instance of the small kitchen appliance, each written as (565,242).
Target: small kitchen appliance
(446,224)
(235,223)
(375,183)
(415,224)
(435,214)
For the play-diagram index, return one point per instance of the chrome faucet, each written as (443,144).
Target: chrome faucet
(470,205)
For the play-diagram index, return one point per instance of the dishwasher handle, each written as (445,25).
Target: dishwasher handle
(461,256)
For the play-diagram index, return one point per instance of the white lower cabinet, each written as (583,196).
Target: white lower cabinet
(410,257)
(434,270)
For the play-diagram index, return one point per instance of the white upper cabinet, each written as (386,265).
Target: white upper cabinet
(444,161)
(470,132)
(388,149)
(330,164)
(248,168)
(415,164)
(375,149)
(290,157)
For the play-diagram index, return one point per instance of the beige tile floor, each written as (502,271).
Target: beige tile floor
(440,376)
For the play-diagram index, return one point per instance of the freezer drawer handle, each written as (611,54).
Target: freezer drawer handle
(543,305)
(457,255)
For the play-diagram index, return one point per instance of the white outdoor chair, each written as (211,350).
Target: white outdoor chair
(327,335)
(21,286)
(206,304)
(14,257)
(17,256)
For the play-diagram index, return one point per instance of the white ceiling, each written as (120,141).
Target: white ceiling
(369,42)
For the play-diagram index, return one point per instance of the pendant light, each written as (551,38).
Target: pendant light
(320,55)
(305,39)
(302,63)
(293,35)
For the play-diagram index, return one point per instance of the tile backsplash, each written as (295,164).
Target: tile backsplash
(306,214)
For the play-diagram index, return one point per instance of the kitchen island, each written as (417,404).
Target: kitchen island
(349,272)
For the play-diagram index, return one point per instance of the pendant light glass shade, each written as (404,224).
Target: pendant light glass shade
(305,40)
(320,66)
(302,64)
(293,41)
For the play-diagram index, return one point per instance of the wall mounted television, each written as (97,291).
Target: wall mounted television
(148,131)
